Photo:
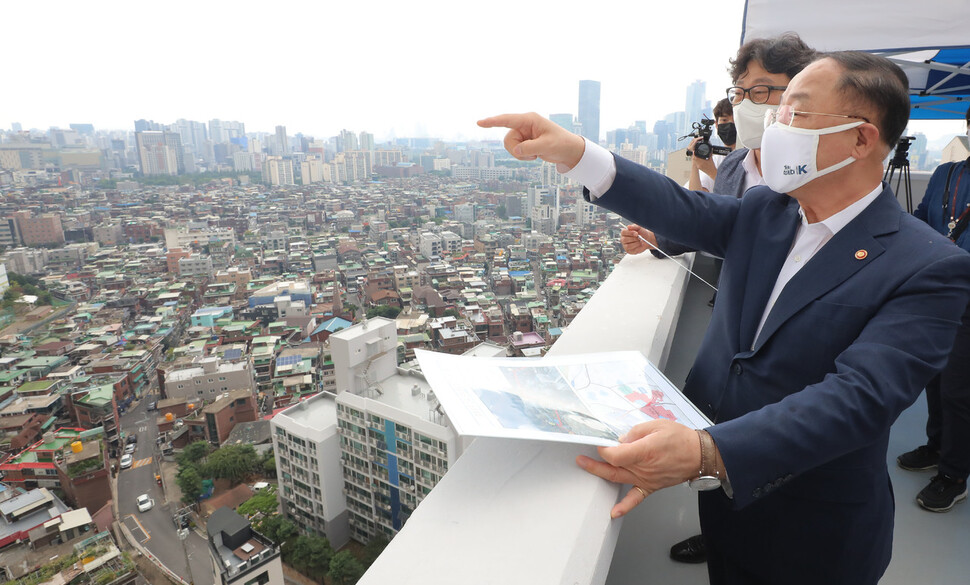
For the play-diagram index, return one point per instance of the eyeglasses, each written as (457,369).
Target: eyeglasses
(758,94)
(786,115)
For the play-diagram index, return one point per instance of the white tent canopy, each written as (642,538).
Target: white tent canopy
(929,39)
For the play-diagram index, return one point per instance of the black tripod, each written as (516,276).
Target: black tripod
(900,161)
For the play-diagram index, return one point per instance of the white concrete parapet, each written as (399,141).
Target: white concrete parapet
(522,511)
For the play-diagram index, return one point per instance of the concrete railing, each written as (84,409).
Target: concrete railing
(522,511)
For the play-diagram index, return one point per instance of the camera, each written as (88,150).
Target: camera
(901,155)
(704,149)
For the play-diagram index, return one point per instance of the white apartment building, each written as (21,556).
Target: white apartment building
(432,244)
(311,171)
(585,212)
(209,378)
(383,429)
(307,449)
(195,265)
(185,237)
(278,171)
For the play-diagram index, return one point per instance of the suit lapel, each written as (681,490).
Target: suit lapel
(848,251)
(767,258)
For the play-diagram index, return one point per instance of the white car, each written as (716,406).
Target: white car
(126,461)
(145,503)
(130,448)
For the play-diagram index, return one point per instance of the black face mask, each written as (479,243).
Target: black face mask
(728,133)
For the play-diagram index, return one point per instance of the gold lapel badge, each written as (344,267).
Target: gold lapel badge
(861,254)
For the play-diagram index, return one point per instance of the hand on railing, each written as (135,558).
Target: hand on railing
(652,456)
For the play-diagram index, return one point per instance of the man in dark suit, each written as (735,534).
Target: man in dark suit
(835,309)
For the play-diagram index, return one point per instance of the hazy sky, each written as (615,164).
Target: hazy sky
(419,68)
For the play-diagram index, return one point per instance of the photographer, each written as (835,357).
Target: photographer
(760,71)
(703,171)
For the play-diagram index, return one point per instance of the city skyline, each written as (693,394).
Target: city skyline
(393,70)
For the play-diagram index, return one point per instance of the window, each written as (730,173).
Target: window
(261,579)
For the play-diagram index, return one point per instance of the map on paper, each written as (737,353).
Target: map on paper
(591,399)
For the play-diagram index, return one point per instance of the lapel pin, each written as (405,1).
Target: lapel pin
(861,254)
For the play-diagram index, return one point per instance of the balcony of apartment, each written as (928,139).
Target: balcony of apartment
(529,505)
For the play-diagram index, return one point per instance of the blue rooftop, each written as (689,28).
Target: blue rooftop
(332,325)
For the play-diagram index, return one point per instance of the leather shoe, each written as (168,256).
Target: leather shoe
(691,550)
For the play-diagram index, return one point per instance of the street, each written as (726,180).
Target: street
(155,529)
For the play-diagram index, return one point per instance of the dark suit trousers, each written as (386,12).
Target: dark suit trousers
(948,402)
(787,540)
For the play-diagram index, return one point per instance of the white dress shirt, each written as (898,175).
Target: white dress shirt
(752,174)
(596,170)
(809,239)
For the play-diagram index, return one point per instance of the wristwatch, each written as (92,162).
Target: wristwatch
(708,478)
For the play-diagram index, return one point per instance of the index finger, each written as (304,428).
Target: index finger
(501,121)
(623,455)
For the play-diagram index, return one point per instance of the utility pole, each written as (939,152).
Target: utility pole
(181,521)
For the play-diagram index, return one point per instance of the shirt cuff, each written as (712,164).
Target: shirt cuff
(595,170)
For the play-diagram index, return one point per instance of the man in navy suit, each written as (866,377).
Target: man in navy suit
(835,308)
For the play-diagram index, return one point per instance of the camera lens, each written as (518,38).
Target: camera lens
(702,150)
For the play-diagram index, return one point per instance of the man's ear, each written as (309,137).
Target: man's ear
(868,142)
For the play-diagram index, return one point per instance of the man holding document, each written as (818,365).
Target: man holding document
(835,308)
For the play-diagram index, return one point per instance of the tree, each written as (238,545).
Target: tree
(345,569)
(194,453)
(502,212)
(311,555)
(277,528)
(232,462)
(190,482)
(383,311)
(264,502)
(452,313)
(373,550)
(269,465)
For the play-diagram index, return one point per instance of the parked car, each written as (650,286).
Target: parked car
(145,503)
(129,448)
(132,438)
(126,461)
(152,406)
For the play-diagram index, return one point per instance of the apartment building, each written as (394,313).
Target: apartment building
(208,378)
(382,434)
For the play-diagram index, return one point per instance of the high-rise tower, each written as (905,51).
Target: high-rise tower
(589,109)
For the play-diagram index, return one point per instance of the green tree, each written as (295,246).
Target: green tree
(452,313)
(373,550)
(502,212)
(194,453)
(269,465)
(345,569)
(264,502)
(190,482)
(276,528)
(232,462)
(383,311)
(310,555)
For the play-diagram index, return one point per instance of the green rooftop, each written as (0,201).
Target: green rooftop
(98,396)
(35,386)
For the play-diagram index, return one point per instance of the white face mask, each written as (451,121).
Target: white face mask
(789,155)
(749,119)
